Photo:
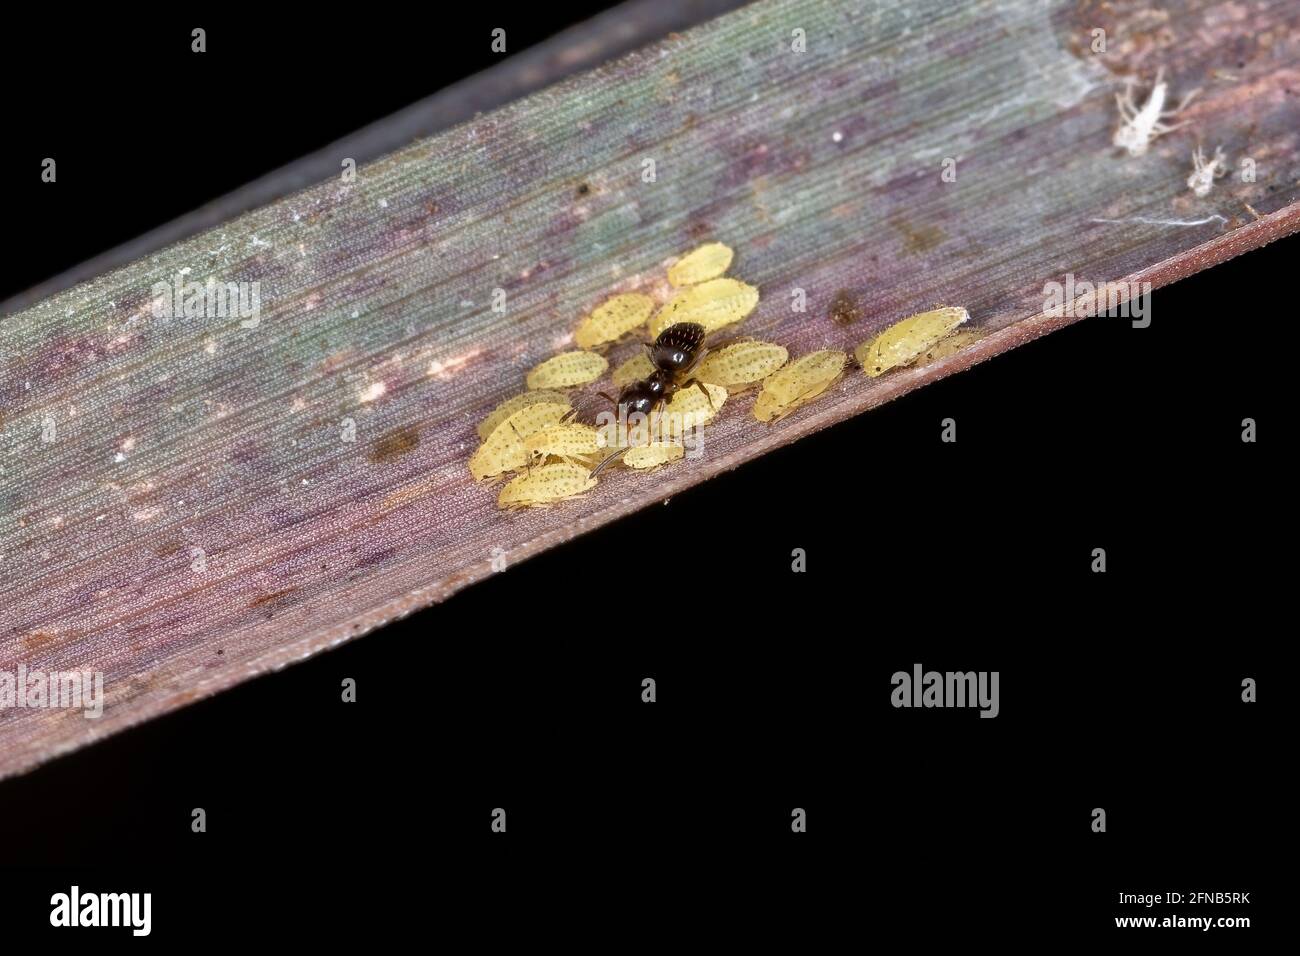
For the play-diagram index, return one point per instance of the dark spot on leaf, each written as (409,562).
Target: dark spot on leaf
(37,640)
(377,558)
(271,598)
(844,308)
(583,189)
(395,443)
(917,238)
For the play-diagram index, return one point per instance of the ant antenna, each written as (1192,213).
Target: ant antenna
(608,458)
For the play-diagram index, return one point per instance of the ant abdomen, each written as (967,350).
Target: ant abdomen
(677,348)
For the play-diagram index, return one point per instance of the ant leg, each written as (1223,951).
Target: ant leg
(567,415)
(608,398)
(729,340)
(700,385)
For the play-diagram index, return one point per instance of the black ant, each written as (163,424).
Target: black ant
(674,354)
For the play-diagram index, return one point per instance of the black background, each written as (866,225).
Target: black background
(1120,690)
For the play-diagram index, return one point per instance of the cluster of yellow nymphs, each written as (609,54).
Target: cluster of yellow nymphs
(534,436)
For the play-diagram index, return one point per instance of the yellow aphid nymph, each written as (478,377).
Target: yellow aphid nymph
(567,370)
(653,455)
(633,370)
(614,318)
(503,450)
(712,304)
(687,408)
(566,440)
(904,342)
(741,364)
(512,405)
(546,484)
(798,383)
(701,264)
(949,345)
